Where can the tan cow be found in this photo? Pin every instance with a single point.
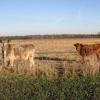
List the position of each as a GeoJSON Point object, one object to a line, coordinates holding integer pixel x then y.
{"type": "Point", "coordinates": [88, 49]}
{"type": "Point", "coordinates": [14, 52]}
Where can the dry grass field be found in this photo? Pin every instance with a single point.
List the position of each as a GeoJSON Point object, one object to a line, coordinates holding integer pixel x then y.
{"type": "Point", "coordinates": [57, 67]}
{"type": "Point", "coordinates": [54, 54]}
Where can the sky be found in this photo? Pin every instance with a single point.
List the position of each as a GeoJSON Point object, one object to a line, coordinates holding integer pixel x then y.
{"type": "Point", "coordinates": [29, 17]}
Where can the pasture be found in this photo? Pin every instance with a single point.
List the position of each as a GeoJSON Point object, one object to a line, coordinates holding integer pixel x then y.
{"type": "Point", "coordinates": [54, 54]}
{"type": "Point", "coordinates": [54, 76]}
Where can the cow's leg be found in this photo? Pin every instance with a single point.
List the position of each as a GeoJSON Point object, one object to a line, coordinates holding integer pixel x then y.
{"type": "Point", "coordinates": [5, 62]}
{"type": "Point", "coordinates": [32, 63]}
{"type": "Point", "coordinates": [86, 60]}
{"type": "Point", "coordinates": [11, 62]}
{"type": "Point", "coordinates": [83, 59]}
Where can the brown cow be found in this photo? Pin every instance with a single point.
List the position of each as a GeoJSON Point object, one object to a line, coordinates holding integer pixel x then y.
{"type": "Point", "coordinates": [85, 49]}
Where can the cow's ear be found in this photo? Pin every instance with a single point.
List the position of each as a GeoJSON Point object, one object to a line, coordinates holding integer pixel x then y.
{"type": "Point", "coordinates": [8, 41]}
{"type": "Point", "coordinates": [75, 45]}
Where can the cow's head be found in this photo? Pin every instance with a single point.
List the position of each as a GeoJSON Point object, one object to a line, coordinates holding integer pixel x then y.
{"type": "Point", "coordinates": [78, 46]}
{"type": "Point", "coordinates": [0, 41]}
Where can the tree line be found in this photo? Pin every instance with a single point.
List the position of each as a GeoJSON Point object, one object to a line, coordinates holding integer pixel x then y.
{"type": "Point", "coordinates": [54, 36]}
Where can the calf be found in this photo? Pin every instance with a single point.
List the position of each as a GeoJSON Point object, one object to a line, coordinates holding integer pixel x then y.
{"type": "Point", "coordinates": [14, 52]}
{"type": "Point", "coordinates": [85, 50]}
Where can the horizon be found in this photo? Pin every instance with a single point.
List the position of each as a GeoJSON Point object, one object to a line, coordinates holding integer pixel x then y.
{"type": "Point", "coordinates": [97, 34]}
{"type": "Point", "coordinates": [28, 17]}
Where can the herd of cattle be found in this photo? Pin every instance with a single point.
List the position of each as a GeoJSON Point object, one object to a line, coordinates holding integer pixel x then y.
{"type": "Point", "coordinates": [12, 52]}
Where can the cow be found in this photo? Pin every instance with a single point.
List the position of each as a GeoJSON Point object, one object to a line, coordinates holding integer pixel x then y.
{"type": "Point", "coordinates": [14, 52]}
{"type": "Point", "coordinates": [88, 49]}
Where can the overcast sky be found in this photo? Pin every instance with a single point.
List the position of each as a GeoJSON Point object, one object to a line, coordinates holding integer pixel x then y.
{"type": "Point", "coordinates": [29, 17]}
